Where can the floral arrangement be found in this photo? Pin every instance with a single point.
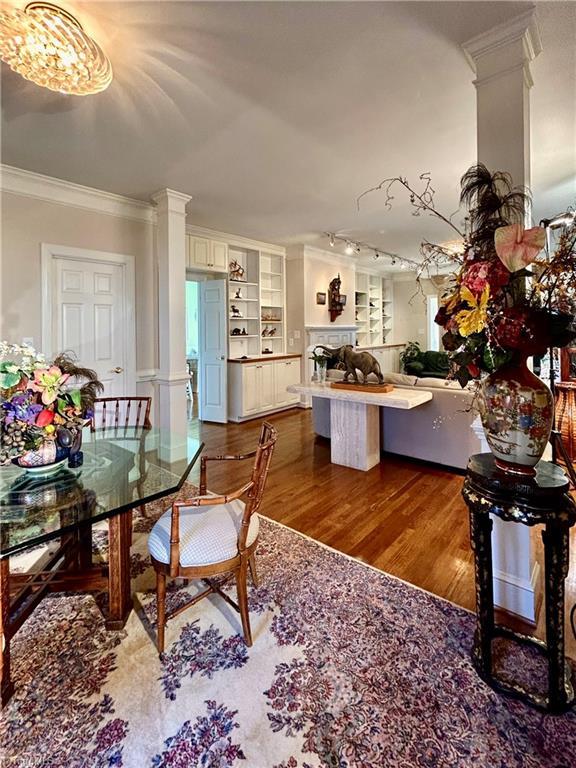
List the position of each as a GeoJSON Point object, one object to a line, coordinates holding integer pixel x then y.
{"type": "Point", "coordinates": [39, 403]}
{"type": "Point", "coordinates": [506, 295]}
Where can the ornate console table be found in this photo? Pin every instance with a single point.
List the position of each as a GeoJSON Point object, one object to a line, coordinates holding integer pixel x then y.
{"type": "Point", "coordinates": [542, 499]}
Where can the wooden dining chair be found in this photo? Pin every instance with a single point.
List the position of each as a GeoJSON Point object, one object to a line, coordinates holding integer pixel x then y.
{"type": "Point", "coordinates": [210, 535]}
{"type": "Point", "coordinates": [121, 413]}
{"type": "Point", "coordinates": [124, 418]}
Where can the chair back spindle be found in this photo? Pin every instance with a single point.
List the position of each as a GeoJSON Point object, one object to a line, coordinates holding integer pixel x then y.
{"type": "Point", "coordinates": [121, 412]}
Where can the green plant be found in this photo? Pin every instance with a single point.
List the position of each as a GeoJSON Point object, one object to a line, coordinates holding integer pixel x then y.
{"type": "Point", "coordinates": [410, 352]}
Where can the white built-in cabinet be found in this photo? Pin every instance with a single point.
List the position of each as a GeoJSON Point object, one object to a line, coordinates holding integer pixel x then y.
{"type": "Point", "coordinates": [259, 387]}
{"type": "Point", "coordinates": [373, 309]}
{"type": "Point", "coordinates": [206, 254]}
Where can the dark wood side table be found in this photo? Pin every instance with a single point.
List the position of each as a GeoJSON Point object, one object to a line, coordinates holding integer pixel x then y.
{"type": "Point", "coordinates": [529, 501]}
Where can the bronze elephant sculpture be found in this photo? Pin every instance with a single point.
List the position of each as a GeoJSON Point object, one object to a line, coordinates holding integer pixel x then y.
{"type": "Point", "coordinates": [355, 361]}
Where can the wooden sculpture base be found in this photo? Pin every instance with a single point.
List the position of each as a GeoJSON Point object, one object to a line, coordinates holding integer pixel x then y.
{"type": "Point", "coordinates": [380, 388]}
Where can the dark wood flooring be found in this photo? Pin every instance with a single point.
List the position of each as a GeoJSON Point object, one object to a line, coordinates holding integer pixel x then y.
{"type": "Point", "coordinates": [404, 517]}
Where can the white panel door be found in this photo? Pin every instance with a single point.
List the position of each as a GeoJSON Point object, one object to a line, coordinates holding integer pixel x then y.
{"type": "Point", "coordinates": [267, 386]}
{"type": "Point", "coordinates": [287, 373]}
{"type": "Point", "coordinates": [89, 318]}
{"type": "Point", "coordinates": [213, 402]}
{"type": "Point", "coordinates": [250, 388]}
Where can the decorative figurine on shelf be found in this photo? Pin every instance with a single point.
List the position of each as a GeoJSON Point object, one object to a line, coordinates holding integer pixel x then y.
{"type": "Point", "coordinates": [238, 294]}
{"type": "Point", "coordinates": [235, 332]}
{"type": "Point", "coordinates": [243, 332]}
{"type": "Point", "coordinates": [266, 351]}
{"type": "Point", "coordinates": [234, 311]}
{"type": "Point", "coordinates": [236, 271]}
{"type": "Point", "coordinates": [335, 305]}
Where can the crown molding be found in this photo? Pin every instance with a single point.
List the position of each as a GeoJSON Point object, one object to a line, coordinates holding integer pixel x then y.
{"type": "Point", "coordinates": [523, 27]}
{"type": "Point", "coordinates": [17, 181]}
{"type": "Point", "coordinates": [237, 241]}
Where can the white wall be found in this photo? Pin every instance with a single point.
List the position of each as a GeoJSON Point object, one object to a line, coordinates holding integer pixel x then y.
{"type": "Point", "coordinates": [319, 270]}
{"type": "Point", "coordinates": [410, 310]}
{"type": "Point", "coordinates": [28, 222]}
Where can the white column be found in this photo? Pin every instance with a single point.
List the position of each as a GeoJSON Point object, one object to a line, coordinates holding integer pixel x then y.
{"type": "Point", "coordinates": [500, 59]}
{"type": "Point", "coordinates": [171, 261]}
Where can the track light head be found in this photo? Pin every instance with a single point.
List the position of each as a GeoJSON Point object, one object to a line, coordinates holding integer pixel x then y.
{"type": "Point", "coordinates": [349, 250]}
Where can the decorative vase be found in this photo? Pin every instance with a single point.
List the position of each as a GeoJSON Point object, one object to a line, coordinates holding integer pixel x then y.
{"type": "Point", "coordinates": [517, 410]}
{"type": "Point", "coordinates": [43, 456]}
{"type": "Point", "coordinates": [321, 371]}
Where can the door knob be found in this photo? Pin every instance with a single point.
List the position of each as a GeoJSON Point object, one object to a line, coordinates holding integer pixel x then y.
{"type": "Point", "coordinates": [222, 357]}
{"type": "Point", "coordinates": [118, 369]}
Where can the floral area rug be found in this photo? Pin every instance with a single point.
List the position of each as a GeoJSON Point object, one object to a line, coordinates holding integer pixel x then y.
{"type": "Point", "coordinates": [350, 668]}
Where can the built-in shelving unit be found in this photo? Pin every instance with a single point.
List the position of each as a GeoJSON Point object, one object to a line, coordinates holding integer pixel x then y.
{"type": "Point", "coordinates": [373, 309]}
{"type": "Point", "coordinates": [256, 304]}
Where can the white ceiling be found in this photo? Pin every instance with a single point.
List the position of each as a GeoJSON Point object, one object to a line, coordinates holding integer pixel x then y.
{"type": "Point", "coordinates": [275, 116]}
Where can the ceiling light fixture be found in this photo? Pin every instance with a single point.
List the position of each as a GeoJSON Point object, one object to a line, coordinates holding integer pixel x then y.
{"type": "Point", "coordinates": [47, 45]}
{"type": "Point", "coordinates": [332, 240]}
{"type": "Point", "coordinates": [349, 250]}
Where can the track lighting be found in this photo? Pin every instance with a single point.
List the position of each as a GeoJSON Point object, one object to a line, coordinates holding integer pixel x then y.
{"type": "Point", "coordinates": [355, 247]}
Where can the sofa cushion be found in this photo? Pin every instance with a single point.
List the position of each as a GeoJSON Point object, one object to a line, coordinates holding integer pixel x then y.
{"type": "Point", "coordinates": [401, 379]}
{"type": "Point", "coordinates": [434, 383]}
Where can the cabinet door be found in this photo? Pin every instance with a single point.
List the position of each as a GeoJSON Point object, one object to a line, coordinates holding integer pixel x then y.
{"type": "Point", "coordinates": [287, 373]}
{"type": "Point", "coordinates": [267, 386]}
{"type": "Point", "coordinates": [250, 388]}
{"type": "Point", "coordinates": [199, 252]}
{"type": "Point", "coordinates": [219, 256]}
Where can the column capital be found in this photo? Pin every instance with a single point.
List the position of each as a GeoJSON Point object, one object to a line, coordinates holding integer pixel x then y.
{"type": "Point", "coordinates": [507, 46]}
{"type": "Point", "coordinates": [172, 200]}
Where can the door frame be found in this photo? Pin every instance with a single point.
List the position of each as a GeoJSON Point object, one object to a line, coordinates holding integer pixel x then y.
{"type": "Point", "coordinates": [49, 254]}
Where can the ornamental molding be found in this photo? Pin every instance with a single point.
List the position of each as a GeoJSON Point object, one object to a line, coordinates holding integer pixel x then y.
{"type": "Point", "coordinates": [17, 181]}
{"type": "Point", "coordinates": [236, 241]}
{"type": "Point", "coordinates": [523, 28]}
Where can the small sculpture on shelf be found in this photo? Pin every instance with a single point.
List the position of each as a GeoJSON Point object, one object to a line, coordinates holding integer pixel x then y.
{"type": "Point", "coordinates": [234, 311]}
{"type": "Point", "coordinates": [236, 271]}
{"type": "Point", "coordinates": [268, 331]}
{"type": "Point", "coordinates": [238, 332]}
{"type": "Point", "coordinates": [267, 351]}
{"type": "Point", "coordinates": [353, 362]}
{"type": "Point", "coordinates": [238, 294]}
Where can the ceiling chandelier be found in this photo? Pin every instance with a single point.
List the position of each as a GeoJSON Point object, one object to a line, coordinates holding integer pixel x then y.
{"type": "Point", "coordinates": [47, 45]}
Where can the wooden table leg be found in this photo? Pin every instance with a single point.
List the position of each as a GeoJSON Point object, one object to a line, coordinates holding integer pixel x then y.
{"type": "Point", "coordinates": [354, 434]}
{"type": "Point", "coordinates": [7, 686]}
{"type": "Point", "coordinates": [119, 591]}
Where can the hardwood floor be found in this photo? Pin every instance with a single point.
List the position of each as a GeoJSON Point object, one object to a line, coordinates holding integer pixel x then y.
{"type": "Point", "coordinates": [403, 517]}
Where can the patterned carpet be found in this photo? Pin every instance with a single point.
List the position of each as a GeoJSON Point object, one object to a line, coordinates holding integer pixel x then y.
{"type": "Point", "coordinates": [350, 668]}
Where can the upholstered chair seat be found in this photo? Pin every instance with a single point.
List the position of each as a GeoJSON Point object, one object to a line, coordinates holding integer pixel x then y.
{"type": "Point", "coordinates": [208, 535]}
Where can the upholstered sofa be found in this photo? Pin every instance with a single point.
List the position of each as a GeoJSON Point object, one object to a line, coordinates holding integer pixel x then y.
{"type": "Point", "coordinates": [428, 365]}
{"type": "Point", "coordinates": [438, 431]}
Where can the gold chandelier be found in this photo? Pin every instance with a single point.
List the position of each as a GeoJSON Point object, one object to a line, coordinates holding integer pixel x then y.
{"type": "Point", "coordinates": [47, 45]}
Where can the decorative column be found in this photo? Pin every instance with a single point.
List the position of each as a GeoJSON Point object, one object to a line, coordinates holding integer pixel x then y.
{"type": "Point", "coordinates": [500, 59]}
{"type": "Point", "coordinates": [171, 261]}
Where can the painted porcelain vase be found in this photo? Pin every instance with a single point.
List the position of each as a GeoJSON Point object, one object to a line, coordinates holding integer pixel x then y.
{"type": "Point", "coordinates": [39, 457]}
{"type": "Point", "coordinates": [517, 410]}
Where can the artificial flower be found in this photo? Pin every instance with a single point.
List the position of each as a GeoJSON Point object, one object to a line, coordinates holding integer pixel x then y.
{"type": "Point", "coordinates": [473, 319]}
{"type": "Point", "coordinates": [480, 273]}
{"type": "Point", "coordinates": [517, 247]}
{"type": "Point", "coordinates": [48, 381]}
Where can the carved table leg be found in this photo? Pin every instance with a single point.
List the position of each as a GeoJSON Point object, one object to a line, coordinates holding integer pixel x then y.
{"type": "Point", "coordinates": [119, 590]}
{"type": "Point", "coordinates": [481, 541]}
{"type": "Point", "coordinates": [7, 686]}
{"type": "Point", "coordinates": [556, 563]}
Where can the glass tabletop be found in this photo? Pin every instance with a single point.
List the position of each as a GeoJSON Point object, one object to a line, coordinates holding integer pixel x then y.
{"type": "Point", "coordinates": [122, 469]}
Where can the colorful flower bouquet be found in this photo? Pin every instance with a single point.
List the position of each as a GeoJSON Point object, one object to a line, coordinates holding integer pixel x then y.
{"type": "Point", "coordinates": [507, 300]}
{"type": "Point", "coordinates": [44, 406]}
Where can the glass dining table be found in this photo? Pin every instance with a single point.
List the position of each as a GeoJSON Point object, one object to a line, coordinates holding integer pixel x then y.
{"type": "Point", "coordinates": [122, 469]}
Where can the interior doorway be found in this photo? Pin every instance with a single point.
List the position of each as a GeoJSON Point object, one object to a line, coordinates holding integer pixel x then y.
{"type": "Point", "coordinates": [192, 347]}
